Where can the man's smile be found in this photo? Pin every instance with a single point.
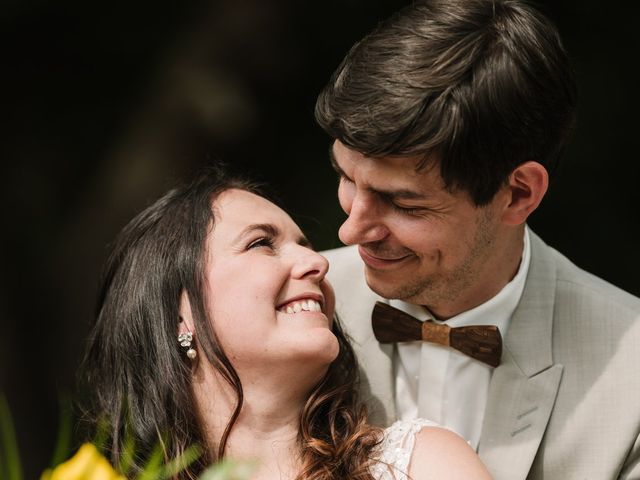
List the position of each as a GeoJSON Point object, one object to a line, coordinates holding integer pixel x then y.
{"type": "Point", "coordinates": [381, 260]}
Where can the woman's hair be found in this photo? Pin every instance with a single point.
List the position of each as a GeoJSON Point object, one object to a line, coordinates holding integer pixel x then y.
{"type": "Point", "coordinates": [138, 383]}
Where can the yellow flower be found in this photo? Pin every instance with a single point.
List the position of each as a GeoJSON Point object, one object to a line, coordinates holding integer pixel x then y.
{"type": "Point", "coordinates": [86, 464]}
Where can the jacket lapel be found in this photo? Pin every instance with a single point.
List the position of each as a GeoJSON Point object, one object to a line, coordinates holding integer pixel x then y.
{"type": "Point", "coordinates": [523, 388]}
{"type": "Point", "coordinates": [376, 387]}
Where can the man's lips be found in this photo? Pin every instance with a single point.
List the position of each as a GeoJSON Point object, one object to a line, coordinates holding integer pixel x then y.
{"type": "Point", "coordinates": [381, 262]}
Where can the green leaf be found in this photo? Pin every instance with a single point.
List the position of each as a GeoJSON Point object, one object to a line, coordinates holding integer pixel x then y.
{"type": "Point", "coordinates": [178, 464]}
{"type": "Point", "coordinates": [153, 467]}
{"type": "Point", "coordinates": [9, 442]}
{"type": "Point", "coordinates": [3, 470]}
{"type": "Point", "coordinates": [103, 430]}
{"type": "Point", "coordinates": [128, 454]}
{"type": "Point", "coordinates": [63, 442]}
{"type": "Point", "coordinates": [229, 470]}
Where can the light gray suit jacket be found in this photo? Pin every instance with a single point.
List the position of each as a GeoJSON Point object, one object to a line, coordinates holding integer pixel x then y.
{"type": "Point", "coordinates": [565, 401]}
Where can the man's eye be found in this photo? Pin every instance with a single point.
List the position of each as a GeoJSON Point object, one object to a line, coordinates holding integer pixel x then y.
{"type": "Point", "coordinates": [407, 210]}
{"type": "Point", "coordinates": [343, 179]}
{"type": "Point", "coordinates": [261, 242]}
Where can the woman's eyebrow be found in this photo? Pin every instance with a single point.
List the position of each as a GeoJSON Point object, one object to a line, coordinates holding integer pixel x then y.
{"type": "Point", "coordinates": [304, 242]}
{"type": "Point", "coordinates": [270, 230]}
{"type": "Point", "coordinates": [267, 228]}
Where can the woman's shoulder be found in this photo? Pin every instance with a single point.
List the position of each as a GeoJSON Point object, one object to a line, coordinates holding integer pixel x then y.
{"type": "Point", "coordinates": [441, 453]}
{"type": "Point", "coordinates": [425, 450]}
{"type": "Point", "coordinates": [396, 448]}
{"type": "Point", "coordinates": [402, 433]}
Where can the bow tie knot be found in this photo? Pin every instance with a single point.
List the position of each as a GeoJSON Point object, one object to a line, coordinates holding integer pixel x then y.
{"type": "Point", "coordinates": [481, 342]}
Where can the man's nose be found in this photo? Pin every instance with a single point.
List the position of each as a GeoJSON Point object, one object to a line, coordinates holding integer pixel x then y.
{"type": "Point", "coordinates": [364, 223]}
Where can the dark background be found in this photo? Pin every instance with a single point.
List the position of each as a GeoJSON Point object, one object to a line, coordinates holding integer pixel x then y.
{"type": "Point", "coordinates": [105, 104]}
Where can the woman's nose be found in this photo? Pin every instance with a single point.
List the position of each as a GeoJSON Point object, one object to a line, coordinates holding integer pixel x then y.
{"type": "Point", "coordinates": [310, 264]}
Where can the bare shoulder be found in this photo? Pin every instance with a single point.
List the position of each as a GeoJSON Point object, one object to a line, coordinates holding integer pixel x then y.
{"type": "Point", "coordinates": [440, 453]}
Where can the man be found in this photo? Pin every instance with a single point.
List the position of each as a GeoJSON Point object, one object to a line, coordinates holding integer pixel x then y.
{"type": "Point", "coordinates": [448, 120]}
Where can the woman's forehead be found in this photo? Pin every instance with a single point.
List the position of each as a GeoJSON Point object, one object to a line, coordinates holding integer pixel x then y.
{"type": "Point", "coordinates": [234, 209]}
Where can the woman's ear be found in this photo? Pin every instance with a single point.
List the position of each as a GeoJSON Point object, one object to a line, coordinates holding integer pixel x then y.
{"type": "Point", "coordinates": [185, 322]}
{"type": "Point", "coordinates": [526, 187]}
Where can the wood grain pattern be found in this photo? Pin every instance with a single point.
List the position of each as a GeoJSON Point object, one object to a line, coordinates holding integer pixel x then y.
{"type": "Point", "coordinates": [481, 342]}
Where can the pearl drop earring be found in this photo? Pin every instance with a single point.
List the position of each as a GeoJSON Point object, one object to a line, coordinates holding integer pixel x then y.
{"type": "Point", "coordinates": [185, 340]}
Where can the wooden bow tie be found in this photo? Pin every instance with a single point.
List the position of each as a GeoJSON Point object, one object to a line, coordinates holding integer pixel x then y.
{"type": "Point", "coordinates": [482, 342]}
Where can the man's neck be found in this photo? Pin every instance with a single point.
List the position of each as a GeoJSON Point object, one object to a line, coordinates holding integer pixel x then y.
{"type": "Point", "coordinates": [496, 272]}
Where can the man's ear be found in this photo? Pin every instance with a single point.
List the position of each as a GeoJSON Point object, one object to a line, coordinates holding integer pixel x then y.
{"type": "Point", "coordinates": [185, 322]}
{"type": "Point", "coordinates": [526, 186]}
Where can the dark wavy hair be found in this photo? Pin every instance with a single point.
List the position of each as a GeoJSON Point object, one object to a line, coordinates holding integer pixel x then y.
{"type": "Point", "coordinates": [137, 382]}
{"type": "Point", "coordinates": [476, 86]}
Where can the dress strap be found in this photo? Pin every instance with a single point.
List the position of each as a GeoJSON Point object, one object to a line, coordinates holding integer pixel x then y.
{"type": "Point", "coordinates": [396, 449]}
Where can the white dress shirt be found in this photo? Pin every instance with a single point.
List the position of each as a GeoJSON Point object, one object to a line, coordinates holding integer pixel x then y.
{"type": "Point", "coordinates": [442, 384]}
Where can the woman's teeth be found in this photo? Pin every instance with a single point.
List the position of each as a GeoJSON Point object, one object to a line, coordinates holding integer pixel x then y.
{"type": "Point", "coordinates": [301, 306]}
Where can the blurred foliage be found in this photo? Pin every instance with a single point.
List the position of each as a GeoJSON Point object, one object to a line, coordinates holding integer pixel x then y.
{"type": "Point", "coordinates": [89, 464]}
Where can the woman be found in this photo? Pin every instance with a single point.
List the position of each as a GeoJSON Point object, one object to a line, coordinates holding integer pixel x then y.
{"type": "Point", "coordinates": [261, 370]}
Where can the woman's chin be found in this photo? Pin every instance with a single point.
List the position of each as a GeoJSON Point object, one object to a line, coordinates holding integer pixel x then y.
{"type": "Point", "coordinates": [320, 347]}
{"type": "Point", "coordinates": [311, 358]}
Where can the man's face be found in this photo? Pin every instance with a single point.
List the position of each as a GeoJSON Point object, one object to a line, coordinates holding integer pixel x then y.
{"type": "Point", "coordinates": [419, 242]}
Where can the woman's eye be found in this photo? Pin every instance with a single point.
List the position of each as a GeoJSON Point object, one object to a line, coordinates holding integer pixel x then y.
{"type": "Point", "coordinates": [261, 242]}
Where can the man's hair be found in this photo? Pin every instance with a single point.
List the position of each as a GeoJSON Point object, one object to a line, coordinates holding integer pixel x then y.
{"type": "Point", "coordinates": [478, 86]}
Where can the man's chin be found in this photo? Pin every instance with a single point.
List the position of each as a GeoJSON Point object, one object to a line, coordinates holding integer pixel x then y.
{"type": "Point", "coordinates": [387, 286]}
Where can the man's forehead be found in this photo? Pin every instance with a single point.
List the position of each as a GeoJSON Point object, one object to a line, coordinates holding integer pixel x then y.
{"type": "Point", "coordinates": [399, 174]}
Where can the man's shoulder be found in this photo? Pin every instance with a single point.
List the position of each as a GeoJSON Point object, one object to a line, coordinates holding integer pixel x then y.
{"type": "Point", "coordinates": [594, 337]}
{"type": "Point", "coordinates": [572, 282]}
{"type": "Point", "coordinates": [573, 277]}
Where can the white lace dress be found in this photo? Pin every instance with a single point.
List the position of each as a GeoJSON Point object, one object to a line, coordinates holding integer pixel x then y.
{"type": "Point", "coordinates": [396, 449]}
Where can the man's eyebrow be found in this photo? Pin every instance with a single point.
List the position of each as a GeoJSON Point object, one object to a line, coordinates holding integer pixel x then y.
{"type": "Point", "coordinates": [334, 162]}
{"type": "Point", "coordinates": [401, 194]}
{"type": "Point", "coordinates": [387, 194]}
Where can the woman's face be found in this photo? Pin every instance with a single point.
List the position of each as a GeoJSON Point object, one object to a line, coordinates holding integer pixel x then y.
{"type": "Point", "coordinates": [268, 299]}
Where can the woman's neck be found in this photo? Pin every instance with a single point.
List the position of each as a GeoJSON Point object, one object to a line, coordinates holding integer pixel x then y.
{"type": "Point", "coordinates": [266, 430]}
{"type": "Point", "coordinates": [269, 440]}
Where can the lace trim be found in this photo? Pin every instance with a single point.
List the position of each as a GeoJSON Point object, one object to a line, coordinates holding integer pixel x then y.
{"type": "Point", "coordinates": [396, 449]}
